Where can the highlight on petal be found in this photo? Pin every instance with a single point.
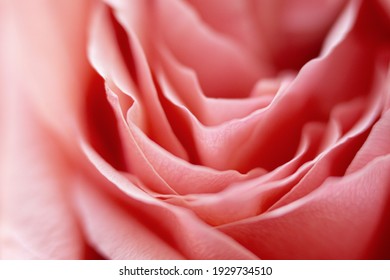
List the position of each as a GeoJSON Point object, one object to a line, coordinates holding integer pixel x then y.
{"type": "Point", "coordinates": [341, 28]}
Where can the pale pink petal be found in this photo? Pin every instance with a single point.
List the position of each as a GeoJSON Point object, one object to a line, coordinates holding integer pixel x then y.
{"type": "Point", "coordinates": [264, 144]}
{"type": "Point", "coordinates": [303, 134]}
{"type": "Point", "coordinates": [346, 130]}
{"type": "Point", "coordinates": [334, 160]}
{"type": "Point", "coordinates": [188, 234]}
{"type": "Point", "coordinates": [245, 199]}
{"type": "Point", "coordinates": [116, 232]}
{"type": "Point", "coordinates": [164, 172]}
{"type": "Point", "coordinates": [223, 68]}
{"type": "Point", "coordinates": [264, 131]}
{"type": "Point", "coordinates": [50, 55]}
{"type": "Point", "coordinates": [186, 91]}
{"type": "Point", "coordinates": [36, 216]}
{"type": "Point", "coordinates": [337, 221]}
{"type": "Point", "coordinates": [255, 196]}
{"type": "Point", "coordinates": [104, 55]}
{"type": "Point", "coordinates": [37, 220]}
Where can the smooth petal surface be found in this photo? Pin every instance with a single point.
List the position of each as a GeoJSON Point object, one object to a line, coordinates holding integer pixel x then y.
{"type": "Point", "coordinates": [281, 33]}
{"type": "Point", "coordinates": [194, 129]}
{"type": "Point", "coordinates": [164, 172]}
{"type": "Point", "coordinates": [50, 55]}
{"type": "Point", "coordinates": [338, 220]}
{"type": "Point", "coordinates": [37, 218]}
{"type": "Point", "coordinates": [183, 230]}
{"type": "Point", "coordinates": [105, 56]}
{"type": "Point", "coordinates": [223, 68]}
{"type": "Point", "coordinates": [180, 85]}
{"type": "Point", "coordinates": [115, 232]}
{"type": "Point", "coordinates": [376, 145]}
{"type": "Point", "coordinates": [42, 73]}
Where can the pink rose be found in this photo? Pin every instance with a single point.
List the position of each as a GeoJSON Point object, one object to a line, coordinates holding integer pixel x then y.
{"type": "Point", "coordinates": [195, 129]}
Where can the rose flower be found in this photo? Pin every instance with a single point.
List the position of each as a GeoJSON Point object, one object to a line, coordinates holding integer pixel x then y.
{"type": "Point", "coordinates": [151, 129]}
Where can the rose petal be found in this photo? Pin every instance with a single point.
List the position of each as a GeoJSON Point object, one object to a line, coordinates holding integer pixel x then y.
{"type": "Point", "coordinates": [265, 130]}
{"type": "Point", "coordinates": [162, 171]}
{"type": "Point", "coordinates": [257, 195]}
{"type": "Point", "coordinates": [294, 30]}
{"type": "Point", "coordinates": [223, 68]}
{"type": "Point", "coordinates": [376, 145]}
{"type": "Point", "coordinates": [37, 219]}
{"type": "Point", "coordinates": [185, 91]}
{"type": "Point", "coordinates": [104, 55]}
{"type": "Point", "coordinates": [245, 199]}
{"type": "Point", "coordinates": [334, 160]}
{"type": "Point", "coordinates": [339, 219]}
{"type": "Point", "coordinates": [287, 33]}
{"type": "Point", "coordinates": [347, 127]}
{"type": "Point", "coordinates": [341, 28]}
{"type": "Point", "coordinates": [236, 20]}
{"type": "Point", "coordinates": [192, 238]}
{"type": "Point", "coordinates": [114, 231]}
{"type": "Point", "coordinates": [50, 43]}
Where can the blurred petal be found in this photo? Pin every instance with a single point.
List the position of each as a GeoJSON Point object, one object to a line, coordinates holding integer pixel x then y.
{"type": "Point", "coordinates": [37, 220]}
{"type": "Point", "coordinates": [224, 69]}
{"type": "Point", "coordinates": [185, 90]}
{"type": "Point", "coordinates": [281, 33]}
{"type": "Point", "coordinates": [50, 55]}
